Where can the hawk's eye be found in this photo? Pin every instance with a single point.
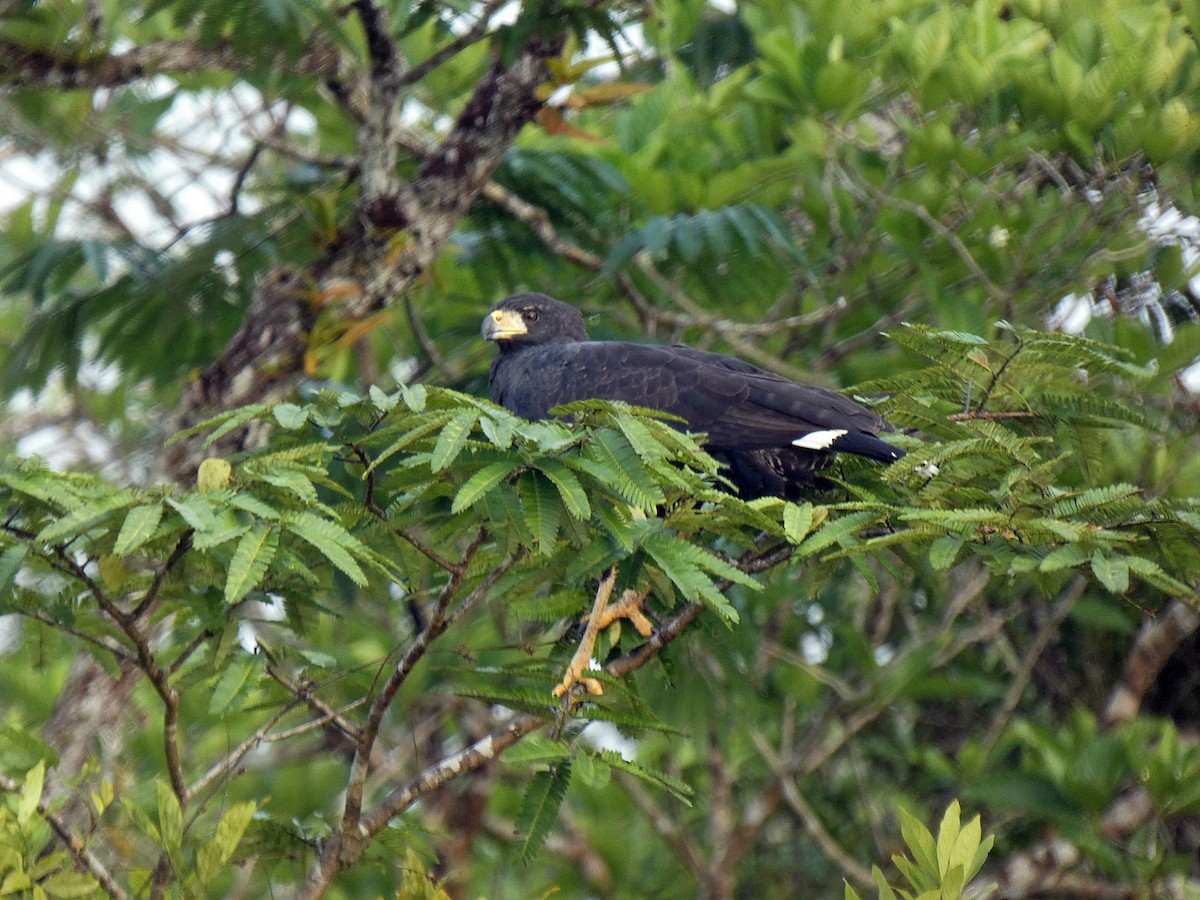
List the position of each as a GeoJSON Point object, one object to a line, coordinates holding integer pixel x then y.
{"type": "Point", "coordinates": [529, 315]}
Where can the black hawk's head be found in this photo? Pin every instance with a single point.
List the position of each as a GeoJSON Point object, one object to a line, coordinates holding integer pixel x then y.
{"type": "Point", "coordinates": [527, 318]}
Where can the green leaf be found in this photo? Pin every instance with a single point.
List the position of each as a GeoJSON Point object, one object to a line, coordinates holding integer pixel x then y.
{"type": "Point", "coordinates": [661, 780]}
{"type": "Point", "coordinates": [222, 424]}
{"type": "Point", "coordinates": [82, 520]}
{"type": "Point", "coordinates": [69, 884]}
{"type": "Point", "coordinates": [225, 527]}
{"type": "Point", "coordinates": [290, 416]}
{"type": "Point", "coordinates": [542, 510]}
{"type": "Point", "coordinates": [981, 855]}
{"type": "Point", "coordinates": [170, 818]}
{"type": "Point", "coordinates": [452, 439]}
{"type": "Point", "coordinates": [947, 839]}
{"type": "Point", "coordinates": [139, 526]}
{"type": "Point", "coordinates": [536, 749]}
{"type": "Point", "coordinates": [797, 521]}
{"type": "Point", "coordinates": [943, 551]}
{"type": "Point", "coordinates": [885, 889]}
{"type": "Point", "coordinates": [1112, 572]}
{"type": "Point", "coordinates": [383, 401]}
{"type": "Point", "coordinates": [539, 808]}
{"type": "Point", "coordinates": [920, 842]}
{"type": "Point", "coordinates": [331, 539]}
{"type": "Point", "coordinates": [113, 572]}
{"type": "Point", "coordinates": [1153, 573]}
{"type": "Point", "coordinates": [480, 483]}
{"type": "Point", "coordinates": [10, 564]}
{"type": "Point", "coordinates": [688, 566]}
{"type": "Point", "coordinates": [229, 693]}
{"type": "Point", "coordinates": [640, 438]}
{"type": "Point", "coordinates": [213, 856]}
{"type": "Point", "coordinates": [15, 881]}
{"type": "Point", "coordinates": [415, 396]}
{"type": "Point", "coordinates": [498, 429]}
{"type": "Point", "coordinates": [618, 467]}
{"type": "Point", "coordinates": [573, 496]}
{"type": "Point", "coordinates": [551, 608]}
{"type": "Point", "coordinates": [250, 561]}
{"type": "Point", "coordinates": [31, 793]}
{"type": "Point", "coordinates": [195, 510]}
{"type": "Point", "coordinates": [255, 506]}
{"type": "Point", "coordinates": [842, 530]}
{"type": "Point", "coordinates": [1065, 557]}
{"type": "Point", "coordinates": [291, 481]}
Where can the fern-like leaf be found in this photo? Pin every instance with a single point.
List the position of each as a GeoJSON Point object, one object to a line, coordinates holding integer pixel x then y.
{"type": "Point", "coordinates": [250, 561]}
{"type": "Point", "coordinates": [331, 539]}
{"type": "Point", "coordinates": [452, 439]}
{"type": "Point", "coordinates": [84, 519]}
{"type": "Point", "coordinates": [543, 510]}
{"type": "Point", "coordinates": [140, 524]}
{"type": "Point", "coordinates": [480, 483]}
{"type": "Point", "coordinates": [658, 779]}
{"type": "Point", "coordinates": [539, 808]}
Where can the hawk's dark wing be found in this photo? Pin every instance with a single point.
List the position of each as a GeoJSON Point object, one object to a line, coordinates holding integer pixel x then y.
{"type": "Point", "coordinates": [771, 433]}
{"type": "Point", "coordinates": [739, 406]}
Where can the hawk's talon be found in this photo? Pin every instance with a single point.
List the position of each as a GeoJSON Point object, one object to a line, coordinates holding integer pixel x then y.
{"type": "Point", "coordinates": [582, 660]}
{"type": "Point", "coordinates": [628, 607]}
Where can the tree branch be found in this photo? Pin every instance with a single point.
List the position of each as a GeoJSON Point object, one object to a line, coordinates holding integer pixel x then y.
{"type": "Point", "coordinates": [472, 35]}
{"type": "Point", "coordinates": [1062, 608]}
{"type": "Point", "coordinates": [327, 713]}
{"type": "Point", "coordinates": [437, 625]}
{"type": "Point", "coordinates": [1155, 642]}
{"type": "Point", "coordinates": [834, 852]}
{"type": "Point", "coordinates": [399, 230]}
{"type": "Point", "coordinates": [21, 67]}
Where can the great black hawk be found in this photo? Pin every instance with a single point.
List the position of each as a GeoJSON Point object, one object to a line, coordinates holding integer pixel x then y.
{"type": "Point", "coordinates": [773, 435]}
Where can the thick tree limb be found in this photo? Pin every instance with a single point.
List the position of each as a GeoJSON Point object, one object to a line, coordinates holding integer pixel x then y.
{"type": "Point", "coordinates": [400, 228]}
{"type": "Point", "coordinates": [1156, 641]}
{"type": "Point", "coordinates": [21, 67]}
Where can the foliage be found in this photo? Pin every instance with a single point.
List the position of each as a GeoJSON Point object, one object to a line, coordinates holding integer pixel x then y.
{"type": "Point", "coordinates": [25, 864]}
{"type": "Point", "coordinates": [338, 638]}
{"type": "Point", "coordinates": [939, 869]}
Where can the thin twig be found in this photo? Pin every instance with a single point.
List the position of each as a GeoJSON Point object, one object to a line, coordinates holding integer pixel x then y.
{"type": "Point", "coordinates": [428, 552]}
{"type": "Point", "coordinates": [161, 681]}
{"type": "Point", "coordinates": [181, 547]}
{"type": "Point", "coordinates": [834, 852]}
{"type": "Point", "coordinates": [305, 694]}
{"type": "Point", "coordinates": [369, 498]}
{"type": "Point", "coordinates": [119, 652]}
{"type": "Point", "coordinates": [349, 841]}
{"type": "Point", "coordinates": [1062, 608]}
{"type": "Point", "coordinates": [360, 767]}
{"type": "Point", "coordinates": [235, 756]}
{"type": "Point", "coordinates": [333, 718]}
{"type": "Point", "coordinates": [472, 35]}
{"type": "Point", "coordinates": [664, 824]}
{"type": "Point", "coordinates": [1156, 642]}
{"type": "Point", "coordinates": [187, 652]}
{"type": "Point", "coordinates": [976, 415]}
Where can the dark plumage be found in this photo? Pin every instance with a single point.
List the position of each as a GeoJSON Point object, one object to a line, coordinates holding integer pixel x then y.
{"type": "Point", "coordinates": [771, 433]}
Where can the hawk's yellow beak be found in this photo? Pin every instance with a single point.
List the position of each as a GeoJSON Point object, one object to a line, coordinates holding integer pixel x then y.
{"type": "Point", "coordinates": [501, 324]}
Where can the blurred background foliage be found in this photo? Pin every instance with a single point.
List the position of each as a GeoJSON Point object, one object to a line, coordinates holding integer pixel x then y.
{"type": "Point", "coordinates": [981, 213]}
